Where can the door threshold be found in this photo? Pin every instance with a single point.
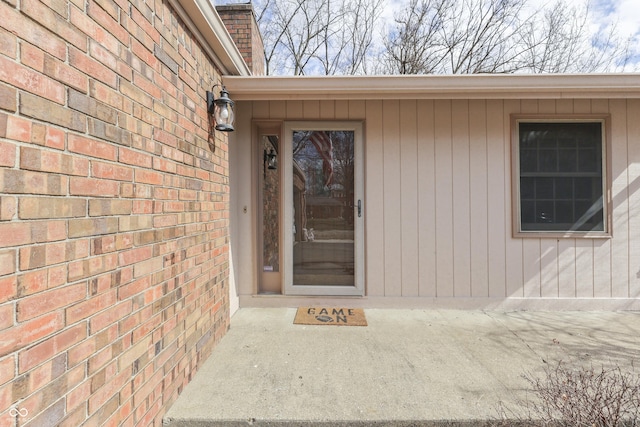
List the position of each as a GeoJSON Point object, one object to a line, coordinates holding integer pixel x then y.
{"type": "Point", "coordinates": [284, 301]}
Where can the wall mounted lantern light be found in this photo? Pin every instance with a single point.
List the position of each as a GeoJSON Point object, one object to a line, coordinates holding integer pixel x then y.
{"type": "Point", "coordinates": [270, 161]}
{"type": "Point", "coordinates": [221, 109]}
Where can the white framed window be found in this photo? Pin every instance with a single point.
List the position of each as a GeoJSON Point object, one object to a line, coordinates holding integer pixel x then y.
{"type": "Point", "coordinates": [560, 176]}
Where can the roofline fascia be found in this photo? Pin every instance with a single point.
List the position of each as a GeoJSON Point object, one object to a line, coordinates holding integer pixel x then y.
{"type": "Point", "coordinates": [476, 86]}
{"type": "Point", "coordinates": [204, 22]}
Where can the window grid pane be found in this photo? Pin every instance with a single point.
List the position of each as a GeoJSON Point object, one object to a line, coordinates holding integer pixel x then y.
{"type": "Point", "coordinates": [561, 176]}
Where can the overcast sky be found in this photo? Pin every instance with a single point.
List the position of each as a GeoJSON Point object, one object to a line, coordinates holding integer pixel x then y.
{"type": "Point", "coordinates": [626, 13]}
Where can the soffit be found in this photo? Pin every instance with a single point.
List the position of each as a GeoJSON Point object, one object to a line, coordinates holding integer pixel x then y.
{"type": "Point", "coordinates": [476, 86]}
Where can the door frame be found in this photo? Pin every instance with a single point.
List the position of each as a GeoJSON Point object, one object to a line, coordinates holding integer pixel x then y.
{"type": "Point", "coordinates": [287, 207]}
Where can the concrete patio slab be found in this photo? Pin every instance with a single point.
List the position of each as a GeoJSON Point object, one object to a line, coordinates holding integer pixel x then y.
{"type": "Point", "coordinates": [408, 367]}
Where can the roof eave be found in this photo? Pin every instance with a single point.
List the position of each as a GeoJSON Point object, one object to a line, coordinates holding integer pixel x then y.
{"type": "Point", "coordinates": [478, 86]}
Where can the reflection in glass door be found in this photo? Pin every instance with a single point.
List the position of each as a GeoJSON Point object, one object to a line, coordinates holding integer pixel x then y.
{"type": "Point", "coordinates": [324, 217]}
{"type": "Point", "coordinates": [270, 281]}
{"type": "Point", "coordinates": [270, 205]}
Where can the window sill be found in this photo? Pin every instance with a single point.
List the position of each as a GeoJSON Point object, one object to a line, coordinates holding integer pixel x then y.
{"type": "Point", "coordinates": [563, 235]}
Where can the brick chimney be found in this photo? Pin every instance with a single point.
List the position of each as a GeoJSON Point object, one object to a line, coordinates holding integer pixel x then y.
{"type": "Point", "coordinates": [241, 23]}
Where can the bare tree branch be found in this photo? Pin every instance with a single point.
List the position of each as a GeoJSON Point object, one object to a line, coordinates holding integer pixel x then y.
{"type": "Point", "coordinates": [318, 36]}
{"type": "Point", "coordinates": [437, 37]}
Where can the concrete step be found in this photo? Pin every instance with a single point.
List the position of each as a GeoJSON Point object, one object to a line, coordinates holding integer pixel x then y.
{"type": "Point", "coordinates": [367, 423]}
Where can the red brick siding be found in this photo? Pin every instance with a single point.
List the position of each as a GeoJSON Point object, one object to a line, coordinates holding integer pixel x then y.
{"type": "Point", "coordinates": [113, 212]}
{"type": "Point", "coordinates": [241, 24]}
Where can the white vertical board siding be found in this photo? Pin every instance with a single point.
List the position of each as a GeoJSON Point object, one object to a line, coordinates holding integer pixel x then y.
{"type": "Point", "coordinates": [327, 110]}
{"type": "Point", "coordinates": [426, 196]}
{"type": "Point", "coordinates": [582, 106]}
{"type": "Point", "coordinates": [374, 201]}
{"type": "Point", "coordinates": [355, 110]}
{"type": "Point", "coordinates": [564, 106]}
{"type": "Point", "coordinates": [633, 132]}
{"type": "Point", "coordinates": [549, 268]}
{"type": "Point", "coordinates": [392, 202]}
{"type": "Point", "coordinates": [260, 110]}
{"type": "Point", "coordinates": [585, 277]}
{"type": "Point", "coordinates": [602, 268]}
{"type": "Point", "coordinates": [620, 193]}
{"type": "Point", "coordinates": [438, 200]}
{"type": "Point", "coordinates": [567, 268]}
{"type": "Point", "coordinates": [478, 199]}
{"type": "Point", "coordinates": [444, 199]}
{"type": "Point", "coordinates": [311, 110]}
{"type": "Point", "coordinates": [276, 109]}
{"type": "Point", "coordinates": [295, 110]}
{"type": "Point", "coordinates": [531, 263]}
{"type": "Point", "coordinates": [341, 109]}
{"type": "Point", "coordinates": [461, 199]}
{"type": "Point", "coordinates": [498, 190]}
{"type": "Point", "coordinates": [409, 198]}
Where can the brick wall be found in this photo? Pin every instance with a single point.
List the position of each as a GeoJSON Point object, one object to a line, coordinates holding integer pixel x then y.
{"type": "Point", "coordinates": [113, 212]}
{"type": "Point", "coordinates": [240, 21]}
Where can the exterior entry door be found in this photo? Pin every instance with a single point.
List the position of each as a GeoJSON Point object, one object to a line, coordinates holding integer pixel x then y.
{"type": "Point", "coordinates": [323, 208]}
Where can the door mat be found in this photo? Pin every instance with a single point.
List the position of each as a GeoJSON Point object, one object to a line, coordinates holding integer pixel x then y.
{"type": "Point", "coordinates": [330, 316]}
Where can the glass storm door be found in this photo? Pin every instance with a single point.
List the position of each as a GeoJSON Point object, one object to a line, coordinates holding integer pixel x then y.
{"type": "Point", "coordinates": [323, 209]}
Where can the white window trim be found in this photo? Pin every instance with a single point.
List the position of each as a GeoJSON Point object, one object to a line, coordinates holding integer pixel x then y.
{"type": "Point", "coordinates": [605, 119]}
